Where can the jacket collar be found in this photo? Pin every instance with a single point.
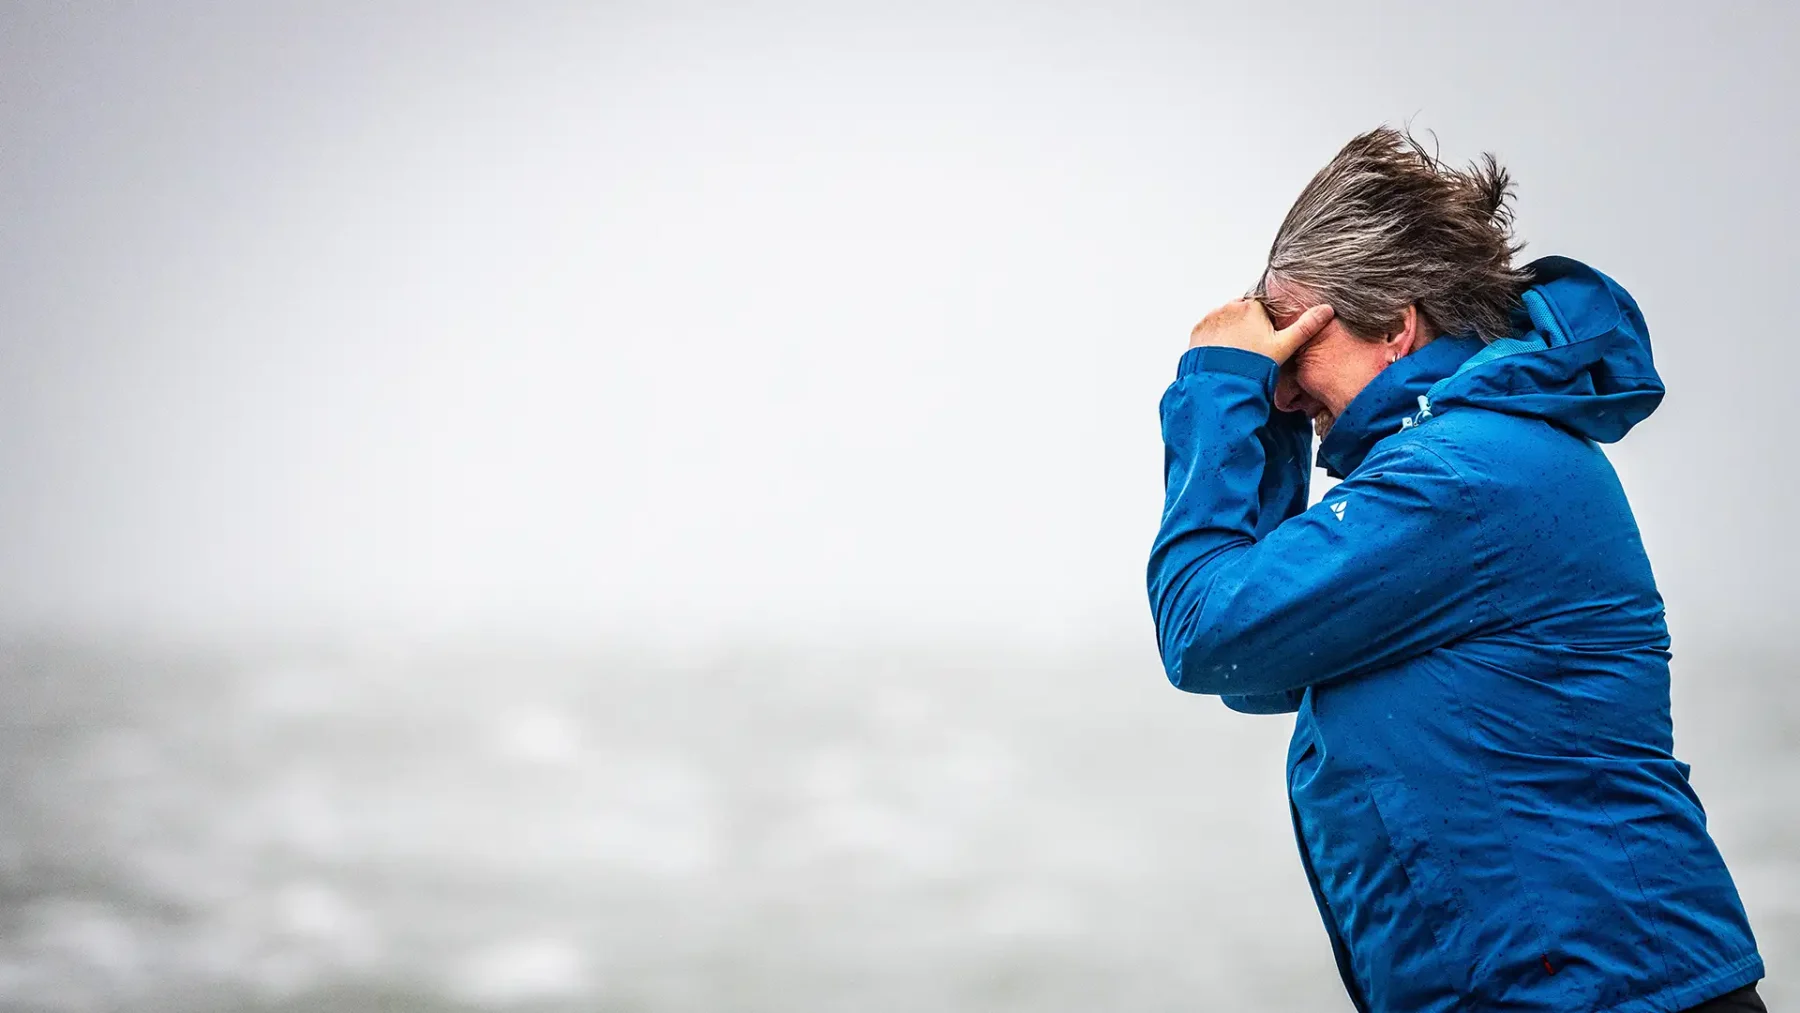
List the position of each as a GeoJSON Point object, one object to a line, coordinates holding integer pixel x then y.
{"type": "Point", "coordinates": [1391, 397]}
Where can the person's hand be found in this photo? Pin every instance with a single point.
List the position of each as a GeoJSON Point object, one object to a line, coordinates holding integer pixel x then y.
{"type": "Point", "coordinates": [1242, 323]}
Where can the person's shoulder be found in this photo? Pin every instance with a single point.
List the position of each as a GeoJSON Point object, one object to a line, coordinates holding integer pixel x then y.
{"type": "Point", "coordinates": [1409, 458]}
{"type": "Point", "coordinates": [1495, 451]}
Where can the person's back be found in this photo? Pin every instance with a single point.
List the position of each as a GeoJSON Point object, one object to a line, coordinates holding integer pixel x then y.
{"type": "Point", "coordinates": [1517, 763]}
{"type": "Point", "coordinates": [1482, 770]}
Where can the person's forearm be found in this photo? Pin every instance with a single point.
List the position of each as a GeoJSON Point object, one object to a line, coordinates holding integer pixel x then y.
{"type": "Point", "coordinates": [1287, 469]}
{"type": "Point", "coordinates": [1217, 445]}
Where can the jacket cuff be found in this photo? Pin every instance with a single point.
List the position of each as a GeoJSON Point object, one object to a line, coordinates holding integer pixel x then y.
{"type": "Point", "coordinates": [1225, 359]}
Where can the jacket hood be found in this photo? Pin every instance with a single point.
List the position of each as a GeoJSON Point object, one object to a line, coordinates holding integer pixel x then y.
{"type": "Point", "coordinates": [1578, 356]}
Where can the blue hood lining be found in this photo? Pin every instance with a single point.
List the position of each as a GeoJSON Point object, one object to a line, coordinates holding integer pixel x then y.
{"type": "Point", "coordinates": [1547, 333]}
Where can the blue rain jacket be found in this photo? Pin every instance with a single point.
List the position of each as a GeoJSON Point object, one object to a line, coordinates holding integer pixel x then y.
{"type": "Point", "coordinates": [1482, 779]}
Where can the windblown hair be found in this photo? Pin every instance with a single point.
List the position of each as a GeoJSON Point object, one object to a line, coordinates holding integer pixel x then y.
{"type": "Point", "coordinates": [1386, 224]}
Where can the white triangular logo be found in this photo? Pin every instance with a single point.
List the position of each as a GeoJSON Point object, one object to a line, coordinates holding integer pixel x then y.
{"type": "Point", "coordinates": [1337, 509]}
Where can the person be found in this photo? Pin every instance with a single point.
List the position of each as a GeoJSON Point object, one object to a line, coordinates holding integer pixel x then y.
{"type": "Point", "coordinates": [1481, 775]}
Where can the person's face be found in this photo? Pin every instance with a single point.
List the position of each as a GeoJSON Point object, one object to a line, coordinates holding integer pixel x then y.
{"type": "Point", "coordinates": [1326, 374]}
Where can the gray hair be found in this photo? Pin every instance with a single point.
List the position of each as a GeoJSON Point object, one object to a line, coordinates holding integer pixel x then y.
{"type": "Point", "coordinates": [1386, 225]}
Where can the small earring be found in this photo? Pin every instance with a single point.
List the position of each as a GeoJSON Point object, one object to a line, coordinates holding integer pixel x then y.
{"type": "Point", "coordinates": [1393, 357]}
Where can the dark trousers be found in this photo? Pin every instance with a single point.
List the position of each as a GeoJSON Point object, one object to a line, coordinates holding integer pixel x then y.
{"type": "Point", "coordinates": [1744, 1000]}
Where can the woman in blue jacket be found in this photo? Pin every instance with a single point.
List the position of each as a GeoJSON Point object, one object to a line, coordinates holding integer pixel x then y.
{"type": "Point", "coordinates": [1482, 779]}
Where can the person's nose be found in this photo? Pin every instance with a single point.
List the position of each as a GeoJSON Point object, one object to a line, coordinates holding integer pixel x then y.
{"type": "Point", "coordinates": [1287, 391]}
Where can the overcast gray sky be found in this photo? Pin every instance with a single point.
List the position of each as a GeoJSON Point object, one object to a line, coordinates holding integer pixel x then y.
{"type": "Point", "coordinates": [813, 322]}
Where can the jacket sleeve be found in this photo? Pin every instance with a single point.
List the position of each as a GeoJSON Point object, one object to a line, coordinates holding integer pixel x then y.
{"type": "Point", "coordinates": [1255, 606]}
{"type": "Point", "coordinates": [1286, 442]}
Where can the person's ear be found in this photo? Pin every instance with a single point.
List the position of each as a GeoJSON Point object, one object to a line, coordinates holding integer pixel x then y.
{"type": "Point", "coordinates": [1410, 335]}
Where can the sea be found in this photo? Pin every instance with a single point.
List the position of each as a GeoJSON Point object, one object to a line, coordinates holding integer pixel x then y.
{"type": "Point", "coordinates": [336, 826]}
